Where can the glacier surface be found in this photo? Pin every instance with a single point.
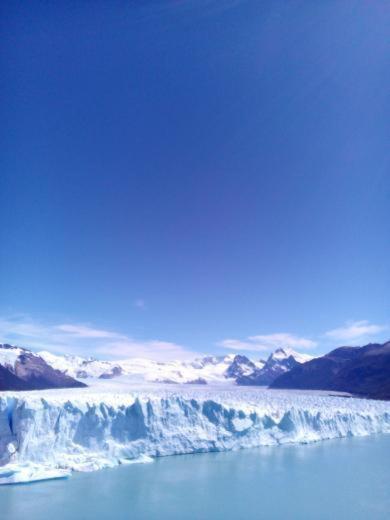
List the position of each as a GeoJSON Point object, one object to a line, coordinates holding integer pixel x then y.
{"type": "Point", "coordinates": [47, 434]}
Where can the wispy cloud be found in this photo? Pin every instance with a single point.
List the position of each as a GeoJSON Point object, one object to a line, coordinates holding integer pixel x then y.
{"type": "Point", "coordinates": [85, 340]}
{"type": "Point", "coordinates": [355, 330]}
{"type": "Point", "coordinates": [83, 331]}
{"type": "Point", "coordinates": [235, 344]}
{"type": "Point", "coordinates": [266, 342]}
{"type": "Point", "coordinates": [153, 349]}
{"type": "Point", "coordinates": [140, 304]}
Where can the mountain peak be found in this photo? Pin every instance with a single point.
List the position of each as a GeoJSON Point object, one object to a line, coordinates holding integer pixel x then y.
{"type": "Point", "coordinates": [22, 369]}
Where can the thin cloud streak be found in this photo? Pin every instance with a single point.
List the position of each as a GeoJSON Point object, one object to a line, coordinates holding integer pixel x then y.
{"type": "Point", "coordinates": [85, 340]}
{"type": "Point", "coordinates": [153, 349]}
{"type": "Point", "coordinates": [266, 342]}
{"type": "Point", "coordinates": [355, 330]}
{"type": "Point", "coordinates": [83, 331]}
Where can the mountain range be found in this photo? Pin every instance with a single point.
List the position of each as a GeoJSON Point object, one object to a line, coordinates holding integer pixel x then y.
{"type": "Point", "coordinates": [232, 368]}
{"type": "Point", "coordinates": [22, 369]}
{"type": "Point", "coordinates": [364, 371]}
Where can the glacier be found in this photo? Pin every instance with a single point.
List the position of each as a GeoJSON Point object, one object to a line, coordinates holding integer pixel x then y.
{"type": "Point", "coordinates": [50, 433]}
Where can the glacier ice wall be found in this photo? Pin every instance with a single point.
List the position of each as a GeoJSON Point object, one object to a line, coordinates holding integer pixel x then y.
{"type": "Point", "coordinates": [84, 431]}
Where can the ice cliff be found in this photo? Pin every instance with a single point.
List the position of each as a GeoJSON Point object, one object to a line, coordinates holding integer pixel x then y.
{"type": "Point", "coordinates": [49, 433]}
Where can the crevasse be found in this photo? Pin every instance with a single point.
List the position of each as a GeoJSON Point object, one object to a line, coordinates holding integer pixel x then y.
{"type": "Point", "coordinates": [47, 435]}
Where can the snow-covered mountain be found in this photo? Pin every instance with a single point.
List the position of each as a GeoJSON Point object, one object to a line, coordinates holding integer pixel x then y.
{"type": "Point", "coordinates": [278, 363]}
{"type": "Point", "coordinates": [81, 368]}
{"type": "Point", "coordinates": [209, 369]}
{"type": "Point", "coordinates": [21, 369]}
{"type": "Point", "coordinates": [229, 369]}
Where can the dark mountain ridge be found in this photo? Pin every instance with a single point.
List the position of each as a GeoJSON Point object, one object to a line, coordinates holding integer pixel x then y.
{"type": "Point", "coordinates": [30, 372]}
{"type": "Point", "coordinates": [363, 371]}
{"type": "Point", "coordinates": [279, 362]}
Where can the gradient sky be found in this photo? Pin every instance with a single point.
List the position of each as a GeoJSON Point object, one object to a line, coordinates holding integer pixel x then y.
{"type": "Point", "coordinates": [180, 176]}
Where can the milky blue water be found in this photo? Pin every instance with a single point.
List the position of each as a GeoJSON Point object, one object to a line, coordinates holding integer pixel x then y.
{"type": "Point", "coordinates": [345, 478]}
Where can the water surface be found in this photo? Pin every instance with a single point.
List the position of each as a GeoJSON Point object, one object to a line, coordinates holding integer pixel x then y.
{"type": "Point", "coordinates": [343, 478]}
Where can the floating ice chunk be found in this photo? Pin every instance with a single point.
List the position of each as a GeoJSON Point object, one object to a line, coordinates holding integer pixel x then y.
{"type": "Point", "coordinates": [23, 473]}
{"type": "Point", "coordinates": [11, 448]}
{"type": "Point", "coordinates": [142, 459]}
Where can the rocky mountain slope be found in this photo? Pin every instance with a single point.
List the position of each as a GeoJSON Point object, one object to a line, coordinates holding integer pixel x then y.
{"type": "Point", "coordinates": [279, 362]}
{"type": "Point", "coordinates": [359, 370]}
{"type": "Point", "coordinates": [21, 369]}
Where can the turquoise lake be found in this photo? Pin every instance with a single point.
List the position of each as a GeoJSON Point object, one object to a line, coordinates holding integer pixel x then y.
{"type": "Point", "coordinates": [343, 478]}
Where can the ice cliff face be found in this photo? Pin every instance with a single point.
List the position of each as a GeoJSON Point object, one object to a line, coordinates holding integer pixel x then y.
{"type": "Point", "coordinates": [47, 433]}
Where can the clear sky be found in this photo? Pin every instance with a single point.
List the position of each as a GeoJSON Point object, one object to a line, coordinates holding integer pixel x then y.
{"type": "Point", "coordinates": [194, 176]}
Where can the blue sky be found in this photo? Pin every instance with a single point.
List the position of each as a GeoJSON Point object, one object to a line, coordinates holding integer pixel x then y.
{"type": "Point", "coordinates": [184, 177]}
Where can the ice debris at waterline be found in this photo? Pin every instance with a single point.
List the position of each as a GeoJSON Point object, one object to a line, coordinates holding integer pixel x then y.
{"type": "Point", "coordinates": [49, 433]}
